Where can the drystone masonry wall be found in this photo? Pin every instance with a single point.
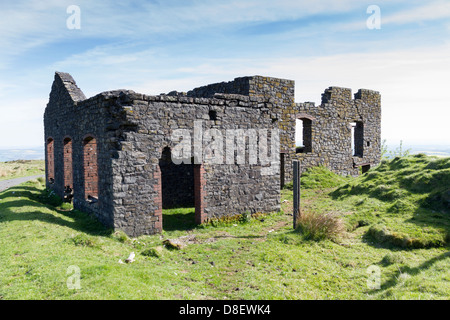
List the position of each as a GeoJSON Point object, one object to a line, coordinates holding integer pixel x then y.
{"type": "Point", "coordinates": [237, 86]}
{"type": "Point", "coordinates": [219, 189]}
{"type": "Point", "coordinates": [327, 132]}
{"type": "Point", "coordinates": [114, 150]}
{"type": "Point", "coordinates": [331, 130]}
{"type": "Point", "coordinates": [71, 118]}
{"type": "Point", "coordinates": [131, 181]}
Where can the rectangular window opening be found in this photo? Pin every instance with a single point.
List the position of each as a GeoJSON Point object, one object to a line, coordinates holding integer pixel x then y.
{"type": "Point", "coordinates": [303, 135]}
{"type": "Point", "coordinates": [357, 138]}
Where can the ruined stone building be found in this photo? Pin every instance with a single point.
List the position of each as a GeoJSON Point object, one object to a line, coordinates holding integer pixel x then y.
{"type": "Point", "coordinates": [114, 149]}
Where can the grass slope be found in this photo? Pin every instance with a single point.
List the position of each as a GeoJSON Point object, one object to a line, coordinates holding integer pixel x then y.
{"type": "Point", "coordinates": [257, 258]}
{"type": "Point", "coordinates": [21, 168]}
{"type": "Point", "coordinates": [406, 201]}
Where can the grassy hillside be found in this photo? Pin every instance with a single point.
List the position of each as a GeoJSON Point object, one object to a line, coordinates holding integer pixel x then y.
{"type": "Point", "coordinates": [261, 257]}
{"type": "Point", "coordinates": [405, 201]}
{"type": "Point", "coordinates": [21, 168]}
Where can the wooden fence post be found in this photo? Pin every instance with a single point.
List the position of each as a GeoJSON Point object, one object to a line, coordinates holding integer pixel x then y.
{"type": "Point", "coordinates": [296, 188]}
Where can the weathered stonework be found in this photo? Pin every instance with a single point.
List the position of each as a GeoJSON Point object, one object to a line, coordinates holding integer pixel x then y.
{"type": "Point", "coordinates": [113, 149]}
{"type": "Point", "coordinates": [331, 138]}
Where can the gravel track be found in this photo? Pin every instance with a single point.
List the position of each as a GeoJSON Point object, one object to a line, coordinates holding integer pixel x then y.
{"type": "Point", "coordinates": [5, 184]}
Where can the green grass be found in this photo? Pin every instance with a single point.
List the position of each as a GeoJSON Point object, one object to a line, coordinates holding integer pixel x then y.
{"type": "Point", "coordinates": [179, 219]}
{"type": "Point", "coordinates": [319, 177]}
{"type": "Point", "coordinates": [21, 168]}
{"type": "Point", "coordinates": [258, 257]}
{"type": "Point", "coordinates": [405, 201]}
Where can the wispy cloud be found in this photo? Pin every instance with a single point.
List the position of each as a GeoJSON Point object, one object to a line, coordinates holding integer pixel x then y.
{"type": "Point", "coordinates": [159, 46]}
{"type": "Point", "coordinates": [26, 25]}
{"type": "Point", "coordinates": [434, 10]}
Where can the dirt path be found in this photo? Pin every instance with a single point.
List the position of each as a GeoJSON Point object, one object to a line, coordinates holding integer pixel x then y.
{"type": "Point", "coordinates": [5, 184]}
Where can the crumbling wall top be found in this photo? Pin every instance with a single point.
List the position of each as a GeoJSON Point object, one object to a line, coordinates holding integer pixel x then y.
{"type": "Point", "coordinates": [71, 86]}
{"type": "Point", "coordinates": [340, 93]}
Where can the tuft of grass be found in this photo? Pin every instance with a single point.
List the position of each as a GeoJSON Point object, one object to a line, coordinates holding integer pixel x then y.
{"type": "Point", "coordinates": [393, 258]}
{"type": "Point", "coordinates": [222, 221]}
{"type": "Point", "coordinates": [155, 252]}
{"type": "Point", "coordinates": [65, 206]}
{"type": "Point", "coordinates": [318, 227]}
{"type": "Point", "coordinates": [245, 217]}
{"type": "Point", "coordinates": [120, 236]}
{"type": "Point", "coordinates": [49, 197]}
{"type": "Point", "coordinates": [401, 206]}
{"type": "Point", "coordinates": [83, 240]}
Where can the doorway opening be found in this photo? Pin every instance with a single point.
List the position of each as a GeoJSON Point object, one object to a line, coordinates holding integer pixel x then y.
{"type": "Point", "coordinates": [181, 193]}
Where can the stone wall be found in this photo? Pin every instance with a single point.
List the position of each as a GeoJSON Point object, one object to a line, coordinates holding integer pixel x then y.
{"type": "Point", "coordinates": [327, 130]}
{"type": "Point", "coordinates": [332, 134]}
{"type": "Point", "coordinates": [118, 138]}
{"type": "Point", "coordinates": [219, 188]}
{"type": "Point", "coordinates": [237, 86]}
{"type": "Point", "coordinates": [112, 148]}
{"type": "Point", "coordinates": [69, 116]}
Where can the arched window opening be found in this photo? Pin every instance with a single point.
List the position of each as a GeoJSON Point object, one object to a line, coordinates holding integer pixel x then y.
{"type": "Point", "coordinates": [90, 169]}
{"type": "Point", "coordinates": [50, 161]}
{"type": "Point", "coordinates": [303, 135]}
{"type": "Point", "coordinates": [68, 173]}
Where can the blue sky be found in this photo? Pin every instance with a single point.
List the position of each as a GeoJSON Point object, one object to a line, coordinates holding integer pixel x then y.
{"type": "Point", "coordinates": [159, 46]}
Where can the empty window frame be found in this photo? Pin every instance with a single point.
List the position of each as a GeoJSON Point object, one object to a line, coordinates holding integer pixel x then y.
{"type": "Point", "coordinates": [357, 138]}
{"type": "Point", "coordinates": [303, 135]}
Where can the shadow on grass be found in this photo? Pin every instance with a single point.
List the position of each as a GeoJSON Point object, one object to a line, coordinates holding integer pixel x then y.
{"type": "Point", "coordinates": [393, 280]}
{"type": "Point", "coordinates": [26, 196]}
{"type": "Point", "coordinates": [372, 241]}
{"type": "Point", "coordinates": [181, 219]}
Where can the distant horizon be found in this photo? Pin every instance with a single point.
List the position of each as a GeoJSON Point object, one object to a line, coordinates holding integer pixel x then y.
{"type": "Point", "coordinates": [392, 144]}
{"type": "Point", "coordinates": [38, 152]}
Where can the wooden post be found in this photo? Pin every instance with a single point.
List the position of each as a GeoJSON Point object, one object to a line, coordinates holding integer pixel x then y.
{"type": "Point", "coordinates": [296, 188]}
